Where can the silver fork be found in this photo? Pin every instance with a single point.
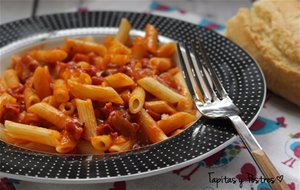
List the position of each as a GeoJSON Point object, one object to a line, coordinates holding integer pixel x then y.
{"type": "Point", "coordinates": [217, 104]}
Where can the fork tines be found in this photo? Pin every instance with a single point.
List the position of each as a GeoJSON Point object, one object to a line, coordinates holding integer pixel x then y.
{"type": "Point", "coordinates": [196, 69]}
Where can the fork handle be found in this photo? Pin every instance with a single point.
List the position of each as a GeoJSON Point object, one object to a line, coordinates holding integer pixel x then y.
{"type": "Point", "coordinates": [260, 157]}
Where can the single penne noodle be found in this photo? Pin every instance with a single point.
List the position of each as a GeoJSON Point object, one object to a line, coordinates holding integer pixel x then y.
{"type": "Point", "coordinates": [101, 143]}
{"type": "Point", "coordinates": [60, 91]}
{"type": "Point", "coordinates": [166, 50]}
{"type": "Point", "coordinates": [138, 49]}
{"type": "Point", "coordinates": [136, 100]}
{"type": "Point", "coordinates": [180, 80]}
{"type": "Point", "coordinates": [67, 108]}
{"type": "Point", "coordinates": [159, 107]}
{"type": "Point", "coordinates": [87, 116]}
{"type": "Point", "coordinates": [151, 38]}
{"type": "Point", "coordinates": [153, 132]}
{"type": "Point", "coordinates": [94, 92]}
{"type": "Point", "coordinates": [85, 147]}
{"type": "Point", "coordinates": [30, 97]}
{"type": "Point", "coordinates": [9, 138]}
{"type": "Point", "coordinates": [81, 46]}
{"type": "Point", "coordinates": [174, 70]}
{"type": "Point", "coordinates": [159, 90]}
{"type": "Point", "coordinates": [123, 32]}
{"type": "Point", "coordinates": [175, 121]}
{"type": "Point", "coordinates": [41, 82]}
{"type": "Point", "coordinates": [187, 103]}
{"type": "Point", "coordinates": [49, 56]}
{"type": "Point", "coordinates": [122, 144]}
{"type": "Point", "coordinates": [117, 48]}
{"type": "Point", "coordinates": [119, 80]}
{"type": "Point", "coordinates": [33, 133]}
{"type": "Point", "coordinates": [13, 140]}
{"type": "Point", "coordinates": [160, 63]}
{"type": "Point", "coordinates": [11, 78]}
{"type": "Point", "coordinates": [50, 114]}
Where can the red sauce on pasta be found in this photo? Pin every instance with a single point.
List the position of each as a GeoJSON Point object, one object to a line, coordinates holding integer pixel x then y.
{"type": "Point", "coordinates": [86, 91]}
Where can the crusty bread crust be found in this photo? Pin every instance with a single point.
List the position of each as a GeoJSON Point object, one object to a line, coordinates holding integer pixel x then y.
{"type": "Point", "coordinates": [270, 32]}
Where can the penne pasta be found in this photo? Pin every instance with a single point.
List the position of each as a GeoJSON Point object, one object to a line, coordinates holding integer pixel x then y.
{"type": "Point", "coordinates": [151, 38]}
{"type": "Point", "coordinates": [60, 91]}
{"type": "Point", "coordinates": [138, 49]}
{"type": "Point", "coordinates": [49, 56]}
{"type": "Point", "coordinates": [118, 48]}
{"type": "Point", "coordinates": [166, 50]}
{"type": "Point", "coordinates": [136, 100]}
{"type": "Point", "coordinates": [41, 82]}
{"type": "Point", "coordinates": [160, 107]}
{"type": "Point", "coordinates": [119, 80]}
{"type": "Point", "coordinates": [68, 108]}
{"type": "Point", "coordinates": [50, 114]}
{"type": "Point", "coordinates": [30, 97]}
{"type": "Point", "coordinates": [11, 78]}
{"type": "Point", "coordinates": [87, 116]}
{"type": "Point", "coordinates": [80, 46]}
{"type": "Point", "coordinates": [123, 32]}
{"type": "Point", "coordinates": [160, 64]}
{"type": "Point", "coordinates": [175, 121]}
{"type": "Point", "coordinates": [120, 59]}
{"type": "Point", "coordinates": [187, 103]}
{"type": "Point", "coordinates": [174, 70]}
{"type": "Point", "coordinates": [7, 137]}
{"type": "Point", "coordinates": [101, 143]}
{"type": "Point", "coordinates": [92, 97]}
{"type": "Point", "coordinates": [99, 93]}
{"type": "Point", "coordinates": [159, 90]}
{"type": "Point", "coordinates": [33, 133]}
{"type": "Point", "coordinates": [149, 126]}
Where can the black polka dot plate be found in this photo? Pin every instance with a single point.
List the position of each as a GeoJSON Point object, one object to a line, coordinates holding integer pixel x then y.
{"type": "Point", "coordinates": [240, 75]}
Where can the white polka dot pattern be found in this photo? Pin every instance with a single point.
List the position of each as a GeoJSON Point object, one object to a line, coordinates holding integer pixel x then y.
{"type": "Point", "coordinates": [239, 74]}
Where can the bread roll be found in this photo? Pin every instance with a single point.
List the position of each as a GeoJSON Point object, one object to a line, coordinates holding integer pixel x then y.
{"type": "Point", "coordinates": [270, 32]}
